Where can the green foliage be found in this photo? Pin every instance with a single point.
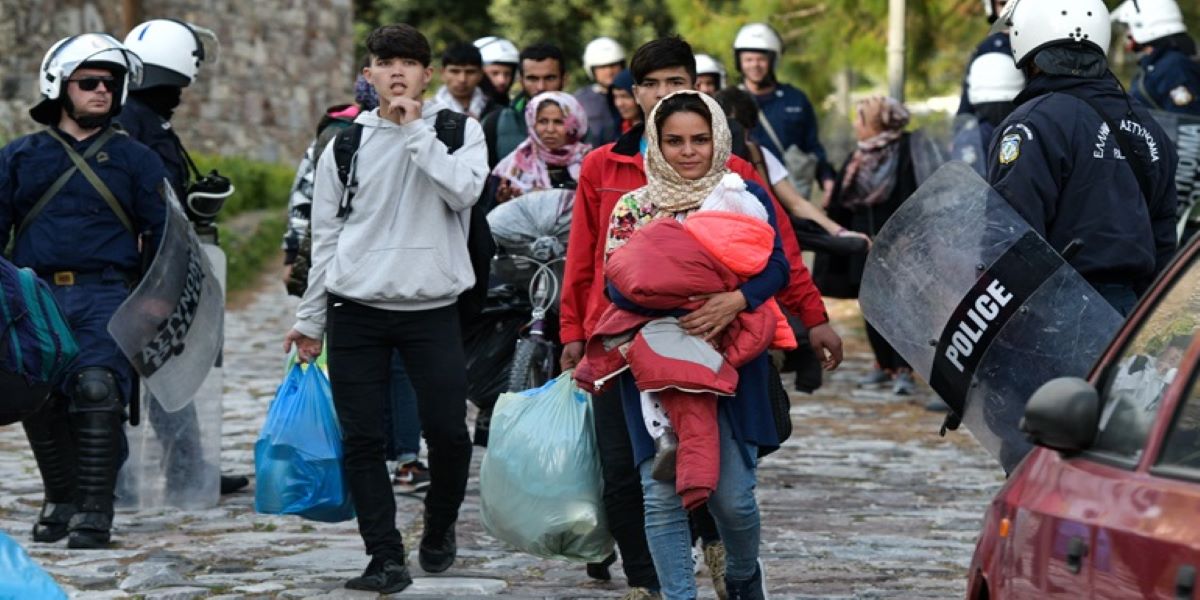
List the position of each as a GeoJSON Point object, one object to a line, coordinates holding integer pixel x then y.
{"type": "Point", "coordinates": [257, 185]}
{"type": "Point", "coordinates": [443, 22]}
{"type": "Point", "coordinates": [247, 253]}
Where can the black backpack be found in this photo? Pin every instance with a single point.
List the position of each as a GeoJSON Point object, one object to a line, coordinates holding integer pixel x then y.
{"type": "Point", "coordinates": [451, 129]}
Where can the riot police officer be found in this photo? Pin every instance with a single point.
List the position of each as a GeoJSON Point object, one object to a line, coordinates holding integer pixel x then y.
{"type": "Point", "coordinates": [1078, 150]}
{"type": "Point", "coordinates": [996, 42]}
{"type": "Point", "coordinates": [172, 52]}
{"type": "Point", "coordinates": [1168, 76]}
{"type": "Point", "coordinates": [81, 202]}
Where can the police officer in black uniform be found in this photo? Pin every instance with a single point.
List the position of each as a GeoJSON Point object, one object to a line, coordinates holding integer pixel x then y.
{"type": "Point", "coordinates": [172, 52]}
{"type": "Point", "coordinates": [1079, 159]}
{"type": "Point", "coordinates": [82, 203]}
{"type": "Point", "coordinates": [1168, 77]}
{"type": "Point", "coordinates": [996, 42]}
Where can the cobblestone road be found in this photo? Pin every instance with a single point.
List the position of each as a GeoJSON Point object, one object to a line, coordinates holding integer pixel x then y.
{"type": "Point", "coordinates": [865, 501]}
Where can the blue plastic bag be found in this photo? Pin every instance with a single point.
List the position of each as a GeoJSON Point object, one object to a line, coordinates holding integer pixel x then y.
{"type": "Point", "coordinates": [540, 482]}
{"type": "Point", "coordinates": [298, 456]}
{"type": "Point", "coordinates": [20, 577]}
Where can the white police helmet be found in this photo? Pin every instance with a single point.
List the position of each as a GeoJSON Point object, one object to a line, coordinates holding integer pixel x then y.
{"type": "Point", "coordinates": [172, 51]}
{"type": "Point", "coordinates": [1038, 24]}
{"type": "Point", "coordinates": [758, 37]}
{"type": "Point", "coordinates": [600, 52]}
{"type": "Point", "coordinates": [497, 50]}
{"type": "Point", "coordinates": [707, 65]}
{"type": "Point", "coordinates": [1150, 20]}
{"type": "Point", "coordinates": [89, 49]}
{"type": "Point", "coordinates": [994, 77]}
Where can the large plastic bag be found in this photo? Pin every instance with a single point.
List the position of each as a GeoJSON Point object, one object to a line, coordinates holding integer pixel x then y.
{"type": "Point", "coordinates": [298, 456]}
{"type": "Point", "coordinates": [20, 577]}
{"type": "Point", "coordinates": [540, 482]}
{"type": "Point", "coordinates": [524, 219]}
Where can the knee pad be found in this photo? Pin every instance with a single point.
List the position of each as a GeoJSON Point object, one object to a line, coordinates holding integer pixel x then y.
{"type": "Point", "coordinates": [95, 389]}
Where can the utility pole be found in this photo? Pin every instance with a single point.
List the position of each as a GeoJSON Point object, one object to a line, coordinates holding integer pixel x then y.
{"type": "Point", "coordinates": [896, 48]}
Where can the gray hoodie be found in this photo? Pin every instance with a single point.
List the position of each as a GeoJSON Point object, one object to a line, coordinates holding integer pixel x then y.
{"type": "Point", "coordinates": [404, 245]}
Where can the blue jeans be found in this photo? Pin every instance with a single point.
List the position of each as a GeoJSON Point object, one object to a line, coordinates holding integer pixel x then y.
{"type": "Point", "coordinates": [733, 507]}
{"type": "Point", "coordinates": [404, 425]}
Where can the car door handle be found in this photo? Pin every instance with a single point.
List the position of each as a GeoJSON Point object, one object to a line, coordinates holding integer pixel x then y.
{"type": "Point", "coordinates": [1185, 582]}
{"type": "Point", "coordinates": [1076, 550]}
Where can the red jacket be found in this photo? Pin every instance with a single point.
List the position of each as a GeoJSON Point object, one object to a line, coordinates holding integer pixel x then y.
{"type": "Point", "coordinates": [611, 171]}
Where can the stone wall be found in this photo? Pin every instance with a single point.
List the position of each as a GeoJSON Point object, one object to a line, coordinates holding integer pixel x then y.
{"type": "Point", "coordinates": [281, 63]}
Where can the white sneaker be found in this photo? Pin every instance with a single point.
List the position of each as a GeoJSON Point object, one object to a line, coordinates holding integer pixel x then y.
{"type": "Point", "coordinates": [697, 560]}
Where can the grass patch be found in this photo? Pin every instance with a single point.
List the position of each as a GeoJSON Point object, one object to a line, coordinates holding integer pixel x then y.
{"type": "Point", "coordinates": [248, 252]}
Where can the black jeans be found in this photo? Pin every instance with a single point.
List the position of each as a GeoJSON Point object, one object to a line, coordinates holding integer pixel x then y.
{"type": "Point", "coordinates": [361, 340]}
{"type": "Point", "coordinates": [885, 354]}
{"type": "Point", "coordinates": [623, 490]}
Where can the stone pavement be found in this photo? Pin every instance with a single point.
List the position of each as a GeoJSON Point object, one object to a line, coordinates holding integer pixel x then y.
{"type": "Point", "coordinates": [865, 501]}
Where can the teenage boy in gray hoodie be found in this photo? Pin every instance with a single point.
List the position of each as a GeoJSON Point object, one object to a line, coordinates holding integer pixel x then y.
{"type": "Point", "coordinates": [386, 276]}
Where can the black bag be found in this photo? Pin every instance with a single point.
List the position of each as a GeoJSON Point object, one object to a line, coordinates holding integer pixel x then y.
{"type": "Point", "coordinates": [813, 238]}
{"type": "Point", "coordinates": [781, 404]}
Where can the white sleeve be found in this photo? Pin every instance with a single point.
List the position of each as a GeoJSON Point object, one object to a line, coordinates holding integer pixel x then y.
{"type": "Point", "coordinates": [776, 172]}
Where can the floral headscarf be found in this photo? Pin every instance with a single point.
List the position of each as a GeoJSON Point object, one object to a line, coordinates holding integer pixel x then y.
{"type": "Point", "coordinates": [666, 189]}
{"type": "Point", "coordinates": [526, 168]}
{"type": "Point", "coordinates": [872, 171]}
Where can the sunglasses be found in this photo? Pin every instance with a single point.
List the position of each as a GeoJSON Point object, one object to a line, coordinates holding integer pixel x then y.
{"type": "Point", "coordinates": [90, 84]}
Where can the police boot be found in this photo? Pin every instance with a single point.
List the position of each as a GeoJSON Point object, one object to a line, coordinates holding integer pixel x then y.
{"type": "Point", "coordinates": [49, 436]}
{"type": "Point", "coordinates": [96, 413]}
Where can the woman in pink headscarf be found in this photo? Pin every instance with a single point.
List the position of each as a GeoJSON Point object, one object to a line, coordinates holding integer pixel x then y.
{"type": "Point", "coordinates": [552, 154]}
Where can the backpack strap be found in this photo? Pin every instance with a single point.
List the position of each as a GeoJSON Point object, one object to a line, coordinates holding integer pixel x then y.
{"type": "Point", "coordinates": [451, 130]}
{"type": "Point", "coordinates": [79, 164]}
{"type": "Point", "coordinates": [1134, 156]}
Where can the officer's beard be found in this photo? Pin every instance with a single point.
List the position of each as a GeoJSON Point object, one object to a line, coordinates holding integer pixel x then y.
{"type": "Point", "coordinates": [86, 121]}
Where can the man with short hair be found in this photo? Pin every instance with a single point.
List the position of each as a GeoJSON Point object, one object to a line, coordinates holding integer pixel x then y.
{"type": "Point", "coordinates": [390, 260]}
{"type": "Point", "coordinates": [542, 70]}
{"type": "Point", "coordinates": [103, 198]}
{"type": "Point", "coordinates": [462, 70]}
{"type": "Point", "coordinates": [659, 68]}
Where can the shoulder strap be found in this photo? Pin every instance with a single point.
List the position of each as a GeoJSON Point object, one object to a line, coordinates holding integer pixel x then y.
{"type": "Point", "coordinates": [451, 128]}
{"type": "Point", "coordinates": [79, 164]}
{"type": "Point", "coordinates": [1133, 155]}
{"type": "Point", "coordinates": [762, 120]}
{"type": "Point", "coordinates": [345, 155]}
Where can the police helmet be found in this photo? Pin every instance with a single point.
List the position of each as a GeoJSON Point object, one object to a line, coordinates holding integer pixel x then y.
{"type": "Point", "coordinates": [758, 37]}
{"type": "Point", "coordinates": [1038, 24]}
{"type": "Point", "coordinates": [707, 65]}
{"type": "Point", "coordinates": [172, 51]}
{"type": "Point", "coordinates": [600, 52]}
{"type": "Point", "coordinates": [98, 50]}
{"type": "Point", "coordinates": [1150, 20]}
{"type": "Point", "coordinates": [497, 50]}
{"type": "Point", "coordinates": [994, 77]}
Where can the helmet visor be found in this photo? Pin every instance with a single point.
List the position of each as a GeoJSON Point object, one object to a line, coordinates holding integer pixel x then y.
{"type": "Point", "coordinates": [119, 57]}
{"type": "Point", "coordinates": [1004, 21]}
{"type": "Point", "coordinates": [210, 46]}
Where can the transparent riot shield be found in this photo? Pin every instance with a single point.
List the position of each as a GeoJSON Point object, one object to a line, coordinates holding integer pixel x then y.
{"type": "Point", "coordinates": [174, 453]}
{"type": "Point", "coordinates": [980, 305]}
{"type": "Point", "coordinates": [1184, 131]}
{"type": "Point", "coordinates": [969, 145]}
{"type": "Point", "coordinates": [171, 327]}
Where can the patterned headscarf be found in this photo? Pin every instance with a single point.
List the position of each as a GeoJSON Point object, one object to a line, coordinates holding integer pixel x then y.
{"type": "Point", "coordinates": [525, 167]}
{"type": "Point", "coordinates": [666, 189]}
{"type": "Point", "coordinates": [871, 174]}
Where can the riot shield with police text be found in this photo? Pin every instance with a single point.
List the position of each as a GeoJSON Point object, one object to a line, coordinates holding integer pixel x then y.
{"type": "Point", "coordinates": [1184, 131]}
{"type": "Point", "coordinates": [980, 305]}
{"type": "Point", "coordinates": [171, 327]}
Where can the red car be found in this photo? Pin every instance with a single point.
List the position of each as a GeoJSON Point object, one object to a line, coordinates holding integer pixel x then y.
{"type": "Point", "coordinates": [1108, 503]}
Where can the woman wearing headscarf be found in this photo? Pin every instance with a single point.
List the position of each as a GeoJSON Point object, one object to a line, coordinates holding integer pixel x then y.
{"type": "Point", "coordinates": [688, 143]}
{"type": "Point", "coordinates": [552, 154]}
{"type": "Point", "coordinates": [876, 179]}
{"type": "Point", "coordinates": [623, 100]}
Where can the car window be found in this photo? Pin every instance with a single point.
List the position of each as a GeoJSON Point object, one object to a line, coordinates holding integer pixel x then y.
{"type": "Point", "coordinates": [1133, 387]}
{"type": "Point", "coordinates": [1182, 446]}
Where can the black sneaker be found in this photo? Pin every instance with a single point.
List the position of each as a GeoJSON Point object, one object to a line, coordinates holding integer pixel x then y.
{"type": "Point", "coordinates": [411, 478]}
{"type": "Point", "coordinates": [233, 483]}
{"type": "Point", "coordinates": [383, 575]}
{"type": "Point", "coordinates": [438, 549]}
